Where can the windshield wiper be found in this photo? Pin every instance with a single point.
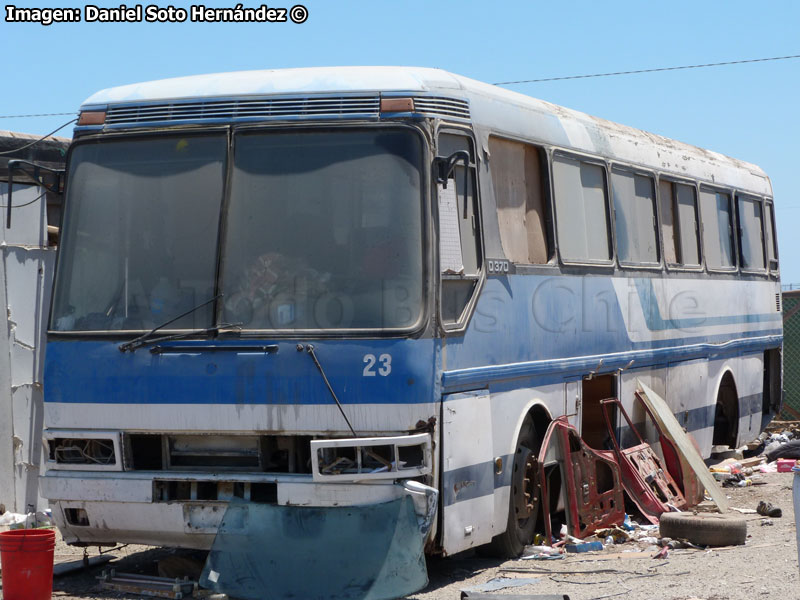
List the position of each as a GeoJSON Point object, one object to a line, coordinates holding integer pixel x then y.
{"type": "Point", "coordinates": [144, 339]}
{"type": "Point", "coordinates": [309, 348]}
{"type": "Point", "coordinates": [187, 334]}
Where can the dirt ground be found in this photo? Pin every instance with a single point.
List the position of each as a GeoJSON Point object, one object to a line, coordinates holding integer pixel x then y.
{"type": "Point", "coordinates": [766, 567]}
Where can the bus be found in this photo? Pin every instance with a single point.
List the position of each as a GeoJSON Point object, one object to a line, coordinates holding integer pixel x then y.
{"type": "Point", "coordinates": [300, 287]}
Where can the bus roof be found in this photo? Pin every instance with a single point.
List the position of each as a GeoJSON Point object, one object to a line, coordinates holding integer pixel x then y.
{"type": "Point", "coordinates": [494, 108]}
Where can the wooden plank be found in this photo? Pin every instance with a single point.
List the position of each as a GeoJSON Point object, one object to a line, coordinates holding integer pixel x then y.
{"type": "Point", "coordinates": [673, 430]}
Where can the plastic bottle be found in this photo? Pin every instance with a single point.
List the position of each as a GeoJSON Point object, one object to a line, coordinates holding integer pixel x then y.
{"type": "Point", "coordinates": [626, 524]}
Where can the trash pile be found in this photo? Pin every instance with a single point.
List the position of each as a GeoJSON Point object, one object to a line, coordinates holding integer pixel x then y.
{"type": "Point", "coordinates": [774, 446]}
{"type": "Point", "coordinates": [643, 537]}
{"type": "Point", "coordinates": [675, 531]}
{"type": "Point", "coordinates": [776, 451]}
{"type": "Point", "coordinates": [31, 520]}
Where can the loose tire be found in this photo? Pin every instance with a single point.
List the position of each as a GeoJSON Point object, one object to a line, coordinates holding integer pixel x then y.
{"type": "Point", "coordinates": [520, 530]}
{"type": "Point", "coordinates": [704, 530]}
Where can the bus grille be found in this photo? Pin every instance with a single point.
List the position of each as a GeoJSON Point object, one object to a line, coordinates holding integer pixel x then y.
{"type": "Point", "coordinates": [243, 109]}
{"type": "Point", "coordinates": [444, 107]}
{"type": "Point", "coordinates": [274, 108]}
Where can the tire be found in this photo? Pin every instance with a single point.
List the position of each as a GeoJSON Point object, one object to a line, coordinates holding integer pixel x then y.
{"type": "Point", "coordinates": [704, 530]}
{"type": "Point", "coordinates": [519, 531]}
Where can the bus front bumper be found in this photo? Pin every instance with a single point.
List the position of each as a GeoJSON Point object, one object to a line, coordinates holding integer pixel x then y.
{"type": "Point", "coordinates": [173, 509]}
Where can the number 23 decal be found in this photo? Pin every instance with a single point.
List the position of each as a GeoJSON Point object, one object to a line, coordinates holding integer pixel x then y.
{"type": "Point", "coordinates": [384, 362]}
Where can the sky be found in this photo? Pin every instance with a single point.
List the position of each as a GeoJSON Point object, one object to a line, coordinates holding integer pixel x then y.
{"type": "Point", "coordinates": [746, 111]}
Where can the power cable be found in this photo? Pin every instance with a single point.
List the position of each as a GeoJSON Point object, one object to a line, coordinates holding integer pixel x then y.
{"type": "Point", "coordinates": [719, 64]}
{"type": "Point", "coordinates": [33, 143]}
{"type": "Point", "coordinates": [37, 115]}
{"type": "Point", "coordinates": [39, 197]}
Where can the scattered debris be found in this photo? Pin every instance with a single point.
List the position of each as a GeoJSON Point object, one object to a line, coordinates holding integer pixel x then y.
{"type": "Point", "coordinates": [768, 510]}
{"type": "Point", "coordinates": [27, 521]}
{"type": "Point", "coordinates": [584, 547]}
{"type": "Point", "coordinates": [789, 449]}
{"type": "Point", "coordinates": [534, 552]}
{"type": "Point", "coordinates": [663, 553]}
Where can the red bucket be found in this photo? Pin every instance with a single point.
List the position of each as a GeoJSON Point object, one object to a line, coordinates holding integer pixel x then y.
{"type": "Point", "coordinates": [27, 562]}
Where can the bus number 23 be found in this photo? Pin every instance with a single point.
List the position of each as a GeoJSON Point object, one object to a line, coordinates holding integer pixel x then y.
{"type": "Point", "coordinates": [384, 362]}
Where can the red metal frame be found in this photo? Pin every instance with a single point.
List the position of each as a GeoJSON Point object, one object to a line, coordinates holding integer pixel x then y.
{"type": "Point", "coordinates": [591, 509]}
{"type": "Point", "coordinates": [645, 479]}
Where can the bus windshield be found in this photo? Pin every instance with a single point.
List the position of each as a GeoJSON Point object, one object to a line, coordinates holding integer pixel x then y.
{"type": "Point", "coordinates": [140, 233]}
{"type": "Point", "coordinates": [322, 230]}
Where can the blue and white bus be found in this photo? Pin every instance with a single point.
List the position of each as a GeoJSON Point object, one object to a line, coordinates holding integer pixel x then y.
{"type": "Point", "coordinates": [299, 287]}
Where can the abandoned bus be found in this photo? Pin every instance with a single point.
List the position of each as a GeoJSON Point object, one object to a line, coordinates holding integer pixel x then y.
{"type": "Point", "coordinates": [303, 287]}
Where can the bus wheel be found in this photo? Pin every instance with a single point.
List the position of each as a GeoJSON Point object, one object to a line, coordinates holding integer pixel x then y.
{"type": "Point", "coordinates": [523, 507]}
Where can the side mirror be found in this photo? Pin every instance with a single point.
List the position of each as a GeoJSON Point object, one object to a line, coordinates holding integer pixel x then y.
{"type": "Point", "coordinates": [445, 165]}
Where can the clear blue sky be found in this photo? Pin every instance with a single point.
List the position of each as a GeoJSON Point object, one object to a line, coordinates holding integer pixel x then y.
{"type": "Point", "coordinates": [746, 111]}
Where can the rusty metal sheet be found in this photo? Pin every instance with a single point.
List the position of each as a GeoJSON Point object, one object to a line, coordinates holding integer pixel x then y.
{"type": "Point", "coordinates": [644, 477]}
{"type": "Point", "coordinates": [690, 457]}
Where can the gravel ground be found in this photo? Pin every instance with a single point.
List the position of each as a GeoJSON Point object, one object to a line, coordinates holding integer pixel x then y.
{"type": "Point", "coordinates": [766, 567]}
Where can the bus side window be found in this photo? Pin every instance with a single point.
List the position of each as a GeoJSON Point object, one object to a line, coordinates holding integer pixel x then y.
{"type": "Point", "coordinates": [769, 227]}
{"type": "Point", "coordinates": [458, 287]}
{"type": "Point", "coordinates": [581, 210]}
{"type": "Point", "coordinates": [717, 218]}
{"type": "Point", "coordinates": [518, 178]}
{"type": "Point", "coordinates": [679, 223]}
{"type": "Point", "coordinates": [634, 217]}
{"type": "Point", "coordinates": [751, 236]}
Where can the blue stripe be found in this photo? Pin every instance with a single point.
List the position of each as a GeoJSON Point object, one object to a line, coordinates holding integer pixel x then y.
{"type": "Point", "coordinates": [475, 481]}
{"type": "Point", "coordinates": [655, 322]}
{"type": "Point", "coordinates": [400, 371]}
{"type": "Point", "coordinates": [558, 368]}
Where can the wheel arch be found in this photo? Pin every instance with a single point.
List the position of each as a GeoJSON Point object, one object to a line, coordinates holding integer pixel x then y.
{"type": "Point", "coordinates": [541, 416]}
{"type": "Point", "coordinates": [727, 410]}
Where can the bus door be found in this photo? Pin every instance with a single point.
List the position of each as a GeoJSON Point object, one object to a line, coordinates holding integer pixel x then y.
{"type": "Point", "coordinates": [468, 471]}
